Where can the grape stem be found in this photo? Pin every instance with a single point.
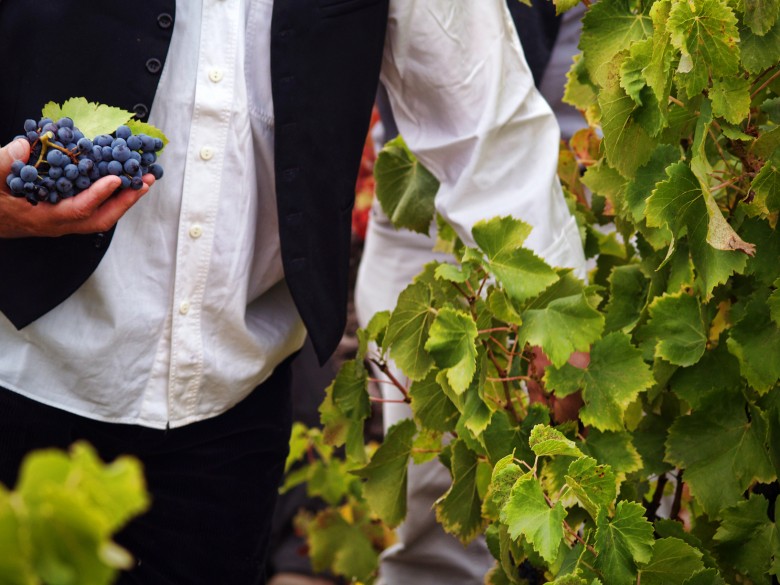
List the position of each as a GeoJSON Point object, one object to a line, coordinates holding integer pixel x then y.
{"type": "Point", "coordinates": [47, 143]}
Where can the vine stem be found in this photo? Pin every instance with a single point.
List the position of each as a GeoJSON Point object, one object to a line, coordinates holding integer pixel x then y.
{"type": "Point", "coordinates": [763, 85]}
{"type": "Point", "coordinates": [505, 385]}
{"type": "Point", "coordinates": [576, 535]}
{"type": "Point", "coordinates": [510, 379]}
{"type": "Point", "coordinates": [494, 330]}
{"type": "Point", "coordinates": [674, 100]}
{"type": "Point", "coordinates": [393, 380]}
{"type": "Point", "coordinates": [677, 503]}
{"type": "Point", "coordinates": [387, 400]}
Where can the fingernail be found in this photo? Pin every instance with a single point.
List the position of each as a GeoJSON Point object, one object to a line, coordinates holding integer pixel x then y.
{"type": "Point", "coordinates": [17, 148]}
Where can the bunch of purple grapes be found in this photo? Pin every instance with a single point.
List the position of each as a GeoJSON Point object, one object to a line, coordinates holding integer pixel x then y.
{"type": "Point", "coordinates": [63, 162]}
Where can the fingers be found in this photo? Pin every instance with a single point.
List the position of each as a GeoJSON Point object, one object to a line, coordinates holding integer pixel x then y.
{"type": "Point", "coordinates": [17, 150]}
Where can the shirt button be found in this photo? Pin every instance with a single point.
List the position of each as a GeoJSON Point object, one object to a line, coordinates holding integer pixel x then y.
{"type": "Point", "coordinates": [216, 75]}
{"type": "Point", "coordinates": [184, 307]}
{"type": "Point", "coordinates": [196, 231]}
{"type": "Point", "coordinates": [206, 153]}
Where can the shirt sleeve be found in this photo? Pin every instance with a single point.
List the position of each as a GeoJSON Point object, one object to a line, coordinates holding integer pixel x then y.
{"type": "Point", "coordinates": [464, 100]}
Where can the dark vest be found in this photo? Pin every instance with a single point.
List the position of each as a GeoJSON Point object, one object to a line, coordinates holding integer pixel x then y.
{"type": "Point", "coordinates": [325, 60]}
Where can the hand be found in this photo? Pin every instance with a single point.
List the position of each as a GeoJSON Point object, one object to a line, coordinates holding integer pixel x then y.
{"type": "Point", "coordinates": [94, 210]}
{"type": "Point", "coordinates": [562, 409]}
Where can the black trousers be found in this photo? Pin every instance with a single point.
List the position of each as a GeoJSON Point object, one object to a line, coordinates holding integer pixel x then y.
{"type": "Point", "coordinates": [213, 484]}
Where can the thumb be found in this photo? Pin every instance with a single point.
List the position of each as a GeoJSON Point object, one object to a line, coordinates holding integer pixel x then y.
{"type": "Point", "coordinates": [17, 150]}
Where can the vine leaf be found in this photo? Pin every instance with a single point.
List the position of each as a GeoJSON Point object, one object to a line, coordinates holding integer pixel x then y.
{"type": "Point", "coordinates": [755, 341]}
{"type": "Point", "coordinates": [759, 52]}
{"type": "Point", "coordinates": [721, 449]}
{"type": "Point", "coordinates": [345, 408]}
{"type": "Point", "coordinates": [705, 577]}
{"type": "Point", "coordinates": [562, 326]}
{"type": "Point", "coordinates": [386, 473]}
{"type": "Point", "coordinates": [341, 547]}
{"type": "Point", "coordinates": [622, 542]}
{"type": "Point", "coordinates": [608, 28]}
{"type": "Point", "coordinates": [431, 407]}
{"type": "Point", "coordinates": [452, 345]}
{"type": "Point", "coordinates": [404, 187]}
{"type": "Point", "coordinates": [679, 203]}
{"type": "Point", "coordinates": [673, 561]}
{"type": "Point", "coordinates": [616, 449]}
{"type": "Point", "coordinates": [627, 296]}
{"type": "Point", "coordinates": [89, 117]}
{"type": "Point", "coordinates": [766, 186]}
{"type": "Point", "coordinates": [407, 330]}
{"type": "Point", "coordinates": [677, 328]}
{"type": "Point", "coordinates": [545, 440]}
{"type": "Point", "coordinates": [705, 31]}
{"type": "Point", "coordinates": [522, 274]}
{"type": "Point", "coordinates": [459, 510]}
{"type": "Point", "coordinates": [613, 379]}
{"type": "Point", "coordinates": [747, 540]}
{"type": "Point", "coordinates": [594, 485]}
{"type": "Point", "coordinates": [528, 514]}
{"type": "Point", "coordinates": [628, 145]}
{"type": "Point", "coordinates": [731, 98]}
{"type": "Point", "coordinates": [505, 475]}
{"type": "Point", "coordinates": [761, 15]}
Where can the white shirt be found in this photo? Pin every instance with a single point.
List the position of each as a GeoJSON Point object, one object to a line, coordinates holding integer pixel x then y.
{"type": "Point", "coordinates": [188, 311]}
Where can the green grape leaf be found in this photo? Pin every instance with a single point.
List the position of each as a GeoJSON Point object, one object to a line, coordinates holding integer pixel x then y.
{"type": "Point", "coordinates": [761, 15]}
{"type": "Point", "coordinates": [614, 449]}
{"type": "Point", "coordinates": [338, 546]}
{"type": "Point", "coordinates": [773, 302]}
{"type": "Point", "coordinates": [547, 441]}
{"type": "Point", "coordinates": [627, 294]}
{"type": "Point", "coordinates": [705, 31]}
{"type": "Point", "coordinates": [622, 542]}
{"type": "Point", "coordinates": [502, 307]}
{"type": "Point", "coordinates": [607, 29]}
{"type": "Point", "coordinates": [431, 407]}
{"type": "Point", "coordinates": [608, 182]}
{"type": "Point", "coordinates": [759, 52]}
{"type": "Point", "coordinates": [731, 98]}
{"type": "Point", "coordinates": [528, 514]}
{"type": "Point", "coordinates": [721, 449]}
{"type": "Point", "coordinates": [386, 473]}
{"type": "Point", "coordinates": [755, 341]}
{"type": "Point", "coordinates": [628, 145]}
{"type": "Point", "coordinates": [345, 408]}
{"type": "Point", "coordinates": [746, 539]}
{"type": "Point", "coordinates": [677, 328]}
{"type": "Point", "coordinates": [658, 71]}
{"type": "Point", "coordinates": [650, 438]}
{"type": "Point", "coordinates": [646, 178]}
{"type": "Point", "coordinates": [89, 117]}
{"type": "Point", "coordinates": [763, 265]}
{"type": "Point", "coordinates": [705, 577]}
{"type": "Point", "coordinates": [452, 345]}
{"type": "Point", "coordinates": [459, 510]}
{"type": "Point", "coordinates": [632, 79]}
{"type": "Point", "coordinates": [562, 6]}
{"type": "Point", "coordinates": [503, 437]}
{"type": "Point", "coordinates": [613, 379]}
{"type": "Point", "coordinates": [505, 475]}
{"type": "Point", "coordinates": [766, 186]}
{"type": "Point", "coordinates": [672, 563]}
{"type": "Point", "coordinates": [679, 203]}
{"type": "Point", "coordinates": [407, 330]}
{"type": "Point", "coordinates": [579, 91]}
{"type": "Point", "coordinates": [563, 326]}
{"type": "Point", "coordinates": [716, 371]}
{"type": "Point", "coordinates": [522, 274]}
{"type": "Point", "coordinates": [404, 187]}
{"type": "Point", "coordinates": [594, 485]}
